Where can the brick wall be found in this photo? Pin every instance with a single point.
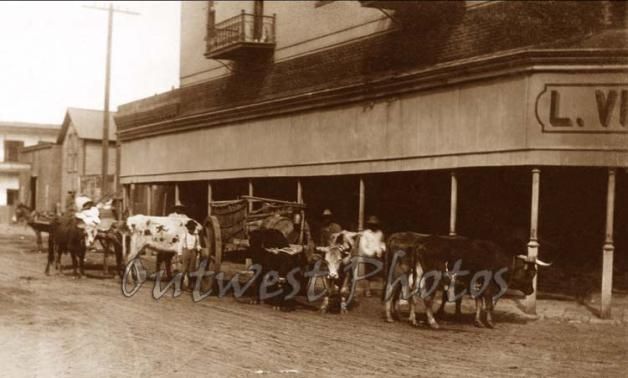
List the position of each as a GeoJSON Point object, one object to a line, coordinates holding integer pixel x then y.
{"type": "Point", "coordinates": [439, 33]}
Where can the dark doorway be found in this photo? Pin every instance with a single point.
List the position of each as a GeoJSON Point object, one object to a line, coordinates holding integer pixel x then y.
{"type": "Point", "coordinates": [33, 201]}
{"type": "Point", "coordinates": [409, 201]}
{"type": "Point", "coordinates": [193, 194]}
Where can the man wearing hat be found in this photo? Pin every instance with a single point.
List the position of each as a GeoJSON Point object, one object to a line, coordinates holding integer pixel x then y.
{"type": "Point", "coordinates": [371, 245]}
{"type": "Point", "coordinates": [328, 228]}
{"type": "Point", "coordinates": [178, 211]}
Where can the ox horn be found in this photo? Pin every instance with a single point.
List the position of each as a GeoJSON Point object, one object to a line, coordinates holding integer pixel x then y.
{"type": "Point", "coordinates": [534, 260]}
{"type": "Point", "coordinates": [541, 263]}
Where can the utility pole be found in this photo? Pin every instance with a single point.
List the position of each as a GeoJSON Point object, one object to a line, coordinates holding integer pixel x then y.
{"type": "Point", "coordinates": [105, 128]}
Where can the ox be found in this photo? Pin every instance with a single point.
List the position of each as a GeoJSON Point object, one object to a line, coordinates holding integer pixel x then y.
{"type": "Point", "coordinates": [474, 262]}
{"type": "Point", "coordinates": [164, 235]}
{"type": "Point", "coordinates": [337, 258]}
{"type": "Point", "coordinates": [72, 234]}
{"type": "Point", "coordinates": [486, 271]}
{"type": "Point", "coordinates": [282, 267]}
{"type": "Point", "coordinates": [343, 247]}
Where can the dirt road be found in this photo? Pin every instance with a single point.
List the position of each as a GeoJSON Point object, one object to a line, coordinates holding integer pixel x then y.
{"type": "Point", "coordinates": [59, 326]}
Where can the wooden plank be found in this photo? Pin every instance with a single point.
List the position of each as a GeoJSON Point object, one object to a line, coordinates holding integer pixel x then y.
{"type": "Point", "coordinates": [271, 200]}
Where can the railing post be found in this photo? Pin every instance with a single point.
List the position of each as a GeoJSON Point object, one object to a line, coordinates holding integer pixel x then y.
{"type": "Point", "coordinates": [609, 248]}
{"type": "Point", "coordinates": [274, 26]}
{"type": "Point", "coordinates": [242, 26]}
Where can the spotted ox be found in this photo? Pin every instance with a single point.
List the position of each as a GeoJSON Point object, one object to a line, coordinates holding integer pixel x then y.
{"type": "Point", "coordinates": [337, 259]}
{"type": "Point", "coordinates": [160, 234]}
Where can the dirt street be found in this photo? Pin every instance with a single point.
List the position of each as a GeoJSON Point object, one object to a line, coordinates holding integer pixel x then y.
{"type": "Point", "coordinates": [58, 326]}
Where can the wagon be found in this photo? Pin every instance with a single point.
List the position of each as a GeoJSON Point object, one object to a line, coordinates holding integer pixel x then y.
{"type": "Point", "coordinates": [230, 222]}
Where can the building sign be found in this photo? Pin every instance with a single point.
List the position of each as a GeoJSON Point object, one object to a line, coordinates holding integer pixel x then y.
{"type": "Point", "coordinates": [583, 108]}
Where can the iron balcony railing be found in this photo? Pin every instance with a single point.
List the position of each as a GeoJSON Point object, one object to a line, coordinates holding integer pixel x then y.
{"type": "Point", "coordinates": [243, 28]}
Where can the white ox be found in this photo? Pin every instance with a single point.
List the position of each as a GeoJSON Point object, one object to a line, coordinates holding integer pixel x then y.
{"type": "Point", "coordinates": [161, 234]}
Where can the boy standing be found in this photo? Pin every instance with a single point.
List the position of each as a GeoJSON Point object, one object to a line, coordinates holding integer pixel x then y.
{"type": "Point", "coordinates": [191, 246]}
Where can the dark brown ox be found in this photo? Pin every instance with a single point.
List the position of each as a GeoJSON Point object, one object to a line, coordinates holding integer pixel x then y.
{"type": "Point", "coordinates": [481, 267]}
{"type": "Point", "coordinates": [69, 234]}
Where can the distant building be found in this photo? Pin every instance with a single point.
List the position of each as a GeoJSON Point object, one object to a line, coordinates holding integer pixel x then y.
{"type": "Point", "coordinates": [40, 187]}
{"type": "Point", "coordinates": [13, 137]}
{"type": "Point", "coordinates": [80, 139]}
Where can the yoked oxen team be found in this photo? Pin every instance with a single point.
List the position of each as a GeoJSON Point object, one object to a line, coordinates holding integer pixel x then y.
{"type": "Point", "coordinates": [414, 266]}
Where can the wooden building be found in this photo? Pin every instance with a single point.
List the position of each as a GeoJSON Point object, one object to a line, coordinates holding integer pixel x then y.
{"type": "Point", "coordinates": [13, 137]}
{"type": "Point", "coordinates": [40, 187]}
{"type": "Point", "coordinates": [445, 117]}
{"type": "Point", "coordinates": [80, 139]}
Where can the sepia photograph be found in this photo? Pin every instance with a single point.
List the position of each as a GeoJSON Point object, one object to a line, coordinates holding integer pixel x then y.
{"type": "Point", "coordinates": [314, 188]}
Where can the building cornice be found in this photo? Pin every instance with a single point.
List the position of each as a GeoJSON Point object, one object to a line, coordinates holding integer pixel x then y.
{"type": "Point", "coordinates": [512, 63]}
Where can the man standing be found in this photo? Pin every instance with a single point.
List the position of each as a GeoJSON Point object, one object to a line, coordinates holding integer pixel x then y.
{"type": "Point", "coordinates": [191, 247]}
{"type": "Point", "coordinates": [328, 228]}
{"type": "Point", "coordinates": [178, 211]}
{"type": "Point", "coordinates": [372, 245]}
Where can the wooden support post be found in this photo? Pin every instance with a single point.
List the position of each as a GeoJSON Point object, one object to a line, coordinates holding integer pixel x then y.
{"type": "Point", "coordinates": [250, 194]}
{"type": "Point", "coordinates": [177, 194]}
{"type": "Point", "coordinates": [299, 191]}
{"type": "Point", "coordinates": [361, 267]}
{"type": "Point", "coordinates": [609, 248]}
{"type": "Point", "coordinates": [149, 199]}
{"type": "Point", "coordinates": [131, 199]}
{"type": "Point", "coordinates": [533, 244]}
{"type": "Point", "coordinates": [209, 198]}
{"type": "Point", "coordinates": [453, 207]}
{"type": "Point", "coordinates": [361, 206]}
{"type": "Point", "coordinates": [125, 198]}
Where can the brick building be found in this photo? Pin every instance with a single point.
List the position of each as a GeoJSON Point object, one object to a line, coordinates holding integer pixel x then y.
{"type": "Point", "coordinates": [13, 137]}
{"type": "Point", "coordinates": [476, 118]}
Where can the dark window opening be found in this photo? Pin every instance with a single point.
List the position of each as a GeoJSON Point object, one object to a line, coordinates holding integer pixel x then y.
{"type": "Point", "coordinates": [12, 149]}
{"type": "Point", "coordinates": [12, 197]}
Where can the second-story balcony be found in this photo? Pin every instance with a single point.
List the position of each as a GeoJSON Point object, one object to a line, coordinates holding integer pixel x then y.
{"type": "Point", "coordinates": [241, 37]}
{"type": "Point", "coordinates": [388, 4]}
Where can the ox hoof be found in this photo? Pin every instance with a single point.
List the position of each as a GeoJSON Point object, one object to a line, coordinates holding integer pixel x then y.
{"type": "Point", "coordinates": [413, 322]}
{"type": "Point", "coordinates": [253, 301]}
{"type": "Point", "coordinates": [276, 308]}
{"type": "Point", "coordinates": [323, 310]}
{"type": "Point", "coordinates": [489, 324]}
{"type": "Point", "coordinates": [433, 325]}
{"type": "Point", "coordinates": [389, 320]}
{"type": "Point", "coordinates": [478, 323]}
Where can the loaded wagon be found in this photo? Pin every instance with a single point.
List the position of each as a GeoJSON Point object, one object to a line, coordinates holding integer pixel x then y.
{"type": "Point", "coordinates": [230, 222]}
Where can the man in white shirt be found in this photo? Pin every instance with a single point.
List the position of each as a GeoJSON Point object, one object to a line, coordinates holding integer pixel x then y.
{"type": "Point", "coordinates": [371, 245]}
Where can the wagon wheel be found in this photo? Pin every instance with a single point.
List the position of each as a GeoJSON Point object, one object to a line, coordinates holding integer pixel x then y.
{"type": "Point", "coordinates": [213, 241]}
